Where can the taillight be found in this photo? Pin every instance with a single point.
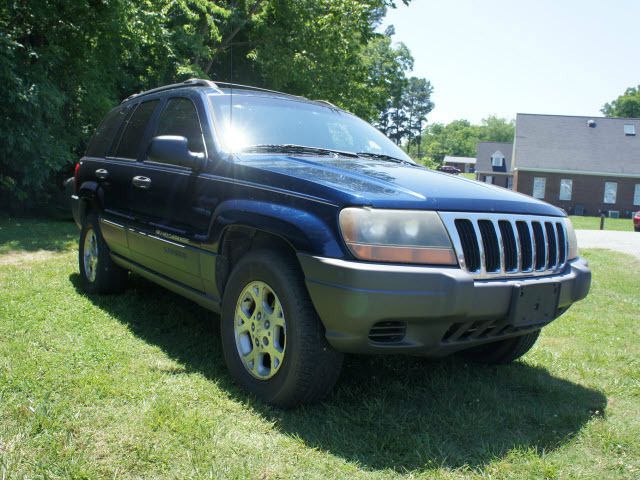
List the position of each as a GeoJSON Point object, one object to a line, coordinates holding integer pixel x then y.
{"type": "Point", "coordinates": [76, 186]}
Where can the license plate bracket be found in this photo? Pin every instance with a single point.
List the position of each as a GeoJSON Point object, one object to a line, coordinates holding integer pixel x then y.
{"type": "Point", "coordinates": [534, 304]}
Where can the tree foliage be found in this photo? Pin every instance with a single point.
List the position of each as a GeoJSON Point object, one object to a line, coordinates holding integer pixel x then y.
{"type": "Point", "coordinates": [626, 105]}
{"type": "Point", "coordinates": [460, 138]}
{"type": "Point", "coordinates": [64, 63]}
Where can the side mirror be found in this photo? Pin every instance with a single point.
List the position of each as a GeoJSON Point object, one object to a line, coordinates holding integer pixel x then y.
{"type": "Point", "coordinates": [174, 150]}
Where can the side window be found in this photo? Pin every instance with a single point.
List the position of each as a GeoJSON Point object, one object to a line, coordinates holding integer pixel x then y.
{"type": "Point", "coordinates": [129, 144]}
{"type": "Point", "coordinates": [101, 140]}
{"type": "Point", "coordinates": [180, 118]}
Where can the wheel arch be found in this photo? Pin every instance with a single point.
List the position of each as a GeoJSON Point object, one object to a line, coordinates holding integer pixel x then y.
{"type": "Point", "coordinates": [241, 226]}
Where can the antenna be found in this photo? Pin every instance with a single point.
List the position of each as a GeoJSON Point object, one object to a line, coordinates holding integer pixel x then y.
{"type": "Point", "coordinates": [230, 92]}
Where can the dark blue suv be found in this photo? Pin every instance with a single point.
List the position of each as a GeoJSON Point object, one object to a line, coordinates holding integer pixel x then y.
{"type": "Point", "coordinates": [313, 235]}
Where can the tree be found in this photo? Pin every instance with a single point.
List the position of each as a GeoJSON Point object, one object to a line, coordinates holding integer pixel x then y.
{"type": "Point", "coordinates": [417, 102]}
{"type": "Point", "coordinates": [64, 63]}
{"type": "Point", "coordinates": [460, 138]}
{"type": "Point", "coordinates": [496, 129]}
{"type": "Point", "coordinates": [626, 105]}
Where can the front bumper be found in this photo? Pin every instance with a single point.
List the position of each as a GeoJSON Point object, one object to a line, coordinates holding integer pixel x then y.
{"type": "Point", "coordinates": [442, 310]}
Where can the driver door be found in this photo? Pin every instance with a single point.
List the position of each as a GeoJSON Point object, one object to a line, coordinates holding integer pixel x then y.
{"type": "Point", "coordinates": [163, 197]}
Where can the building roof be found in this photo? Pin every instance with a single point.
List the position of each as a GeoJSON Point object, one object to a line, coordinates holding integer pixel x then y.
{"type": "Point", "coordinates": [576, 144]}
{"type": "Point", "coordinates": [486, 150]}
{"type": "Point", "coordinates": [467, 160]}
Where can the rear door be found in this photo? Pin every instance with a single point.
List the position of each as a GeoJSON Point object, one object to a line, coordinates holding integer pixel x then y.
{"type": "Point", "coordinates": [121, 162]}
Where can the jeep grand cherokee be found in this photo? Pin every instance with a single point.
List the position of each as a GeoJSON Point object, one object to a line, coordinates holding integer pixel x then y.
{"type": "Point", "coordinates": [313, 235]}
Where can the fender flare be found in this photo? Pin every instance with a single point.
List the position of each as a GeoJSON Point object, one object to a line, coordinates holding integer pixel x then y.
{"type": "Point", "coordinates": [304, 231]}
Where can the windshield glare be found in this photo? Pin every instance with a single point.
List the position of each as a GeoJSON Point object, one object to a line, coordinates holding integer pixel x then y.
{"type": "Point", "coordinates": [264, 120]}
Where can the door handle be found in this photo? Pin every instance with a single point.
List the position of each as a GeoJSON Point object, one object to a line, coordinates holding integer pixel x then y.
{"type": "Point", "coordinates": [141, 182]}
{"type": "Point", "coordinates": [102, 174]}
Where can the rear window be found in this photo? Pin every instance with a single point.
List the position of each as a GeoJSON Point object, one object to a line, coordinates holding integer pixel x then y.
{"type": "Point", "coordinates": [101, 140]}
{"type": "Point", "coordinates": [133, 133]}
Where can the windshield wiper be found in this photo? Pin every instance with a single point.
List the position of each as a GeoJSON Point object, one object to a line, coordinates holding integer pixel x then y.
{"type": "Point", "coordinates": [382, 156]}
{"type": "Point", "coordinates": [292, 148]}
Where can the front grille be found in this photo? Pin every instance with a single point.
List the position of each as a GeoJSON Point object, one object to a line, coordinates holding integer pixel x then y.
{"type": "Point", "coordinates": [490, 245]}
{"type": "Point", "coordinates": [388, 332]}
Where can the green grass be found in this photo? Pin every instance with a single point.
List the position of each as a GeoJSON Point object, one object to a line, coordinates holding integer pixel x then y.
{"type": "Point", "coordinates": [470, 176]}
{"type": "Point", "coordinates": [593, 223]}
{"type": "Point", "coordinates": [134, 386]}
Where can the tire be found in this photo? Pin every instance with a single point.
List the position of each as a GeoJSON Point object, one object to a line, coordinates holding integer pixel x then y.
{"type": "Point", "coordinates": [502, 352]}
{"type": "Point", "coordinates": [101, 275]}
{"type": "Point", "coordinates": [296, 365]}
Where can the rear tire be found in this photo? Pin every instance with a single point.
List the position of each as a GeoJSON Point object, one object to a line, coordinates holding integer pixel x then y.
{"type": "Point", "coordinates": [98, 273]}
{"type": "Point", "coordinates": [273, 341]}
{"type": "Point", "coordinates": [502, 352]}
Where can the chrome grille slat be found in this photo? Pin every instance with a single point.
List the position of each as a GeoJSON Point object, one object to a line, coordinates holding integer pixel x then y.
{"type": "Point", "coordinates": [514, 247]}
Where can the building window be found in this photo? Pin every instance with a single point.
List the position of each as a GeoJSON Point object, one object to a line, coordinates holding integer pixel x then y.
{"type": "Point", "coordinates": [610, 192]}
{"type": "Point", "coordinates": [566, 185]}
{"type": "Point", "coordinates": [510, 183]}
{"type": "Point", "coordinates": [488, 179]}
{"type": "Point", "coordinates": [539, 184]}
{"type": "Point", "coordinates": [497, 159]}
{"type": "Point", "coordinates": [630, 129]}
{"type": "Point", "coordinates": [636, 194]}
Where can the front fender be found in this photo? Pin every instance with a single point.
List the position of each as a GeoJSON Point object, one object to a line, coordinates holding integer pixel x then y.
{"type": "Point", "coordinates": [305, 231]}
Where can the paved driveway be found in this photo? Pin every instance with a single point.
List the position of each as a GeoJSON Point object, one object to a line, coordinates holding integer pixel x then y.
{"type": "Point", "coordinates": [625, 242]}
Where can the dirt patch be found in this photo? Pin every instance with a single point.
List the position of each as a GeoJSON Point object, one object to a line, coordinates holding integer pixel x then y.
{"type": "Point", "coordinates": [20, 256]}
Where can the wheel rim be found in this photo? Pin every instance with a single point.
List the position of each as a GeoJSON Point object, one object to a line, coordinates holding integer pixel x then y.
{"type": "Point", "coordinates": [90, 255]}
{"type": "Point", "coordinates": [260, 330]}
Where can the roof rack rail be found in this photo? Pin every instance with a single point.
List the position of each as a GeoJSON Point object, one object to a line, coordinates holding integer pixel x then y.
{"type": "Point", "coordinates": [192, 82]}
{"type": "Point", "coordinates": [258, 89]}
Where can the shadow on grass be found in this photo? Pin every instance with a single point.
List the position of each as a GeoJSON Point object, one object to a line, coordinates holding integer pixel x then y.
{"type": "Point", "coordinates": [389, 412]}
{"type": "Point", "coordinates": [30, 235]}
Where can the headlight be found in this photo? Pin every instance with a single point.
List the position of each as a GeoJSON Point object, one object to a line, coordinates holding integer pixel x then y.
{"type": "Point", "coordinates": [398, 236]}
{"type": "Point", "coordinates": [571, 239]}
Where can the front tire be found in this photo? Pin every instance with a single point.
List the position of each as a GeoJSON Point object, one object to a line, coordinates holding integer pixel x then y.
{"type": "Point", "coordinates": [273, 341]}
{"type": "Point", "coordinates": [502, 352]}
{"type": "Point", "coordinates": [98, 273]}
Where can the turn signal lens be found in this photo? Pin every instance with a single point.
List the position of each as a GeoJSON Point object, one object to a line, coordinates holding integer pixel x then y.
{"type": "Point", "coordinates": [396, 236]}
{"type": "Point", "coordinates": [571, 238]}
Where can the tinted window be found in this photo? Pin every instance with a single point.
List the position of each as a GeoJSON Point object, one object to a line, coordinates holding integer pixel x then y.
{"type": "Point", "coordinates": [129, 145]}
{"type": "Point", "coordinates": [180, 118]}
{"type": "Point", "coordinates": [103, 137]}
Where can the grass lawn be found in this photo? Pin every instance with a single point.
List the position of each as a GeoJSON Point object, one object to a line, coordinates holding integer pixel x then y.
{"type": "Point", "coordinates": [470, 176]}
{"type": "Point", "coordinates": [134, 386]}
{"type": "Point", "coordinates": [593, 223]}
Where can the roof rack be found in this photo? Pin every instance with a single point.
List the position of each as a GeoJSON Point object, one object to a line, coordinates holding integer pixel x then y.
{"type": "Point", "coordinates": [258, 89]}
{"type": "Point", "coordinates": [192, 82]}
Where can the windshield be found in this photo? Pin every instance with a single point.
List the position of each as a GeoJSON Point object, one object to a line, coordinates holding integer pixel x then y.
{"type": "Point", "coordinates": [272, 121]}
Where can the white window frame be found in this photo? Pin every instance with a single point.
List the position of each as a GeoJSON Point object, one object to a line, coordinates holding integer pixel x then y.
{"type": "Point", "coordinates": [539, 187]}
{"type": "Point", "coordinates": [566, 189]}
{"type": "Point", "coordinates": [488, 179]}
{"type": "Point", "coordinates": [629, 129]}
{"type": "Point", "coordinates": [497, 159]}
{"type": "Point", "coordinates": [636, 194]}
{"type": "Point", "coordinates": [610, 193]}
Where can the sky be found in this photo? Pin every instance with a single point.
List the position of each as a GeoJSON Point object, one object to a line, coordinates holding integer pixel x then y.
{"type": "Point", "coordinates": [502, 57]}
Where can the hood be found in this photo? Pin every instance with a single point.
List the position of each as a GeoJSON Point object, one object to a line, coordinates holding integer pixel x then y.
{"type": "Point", "coordinates": [384, 184]}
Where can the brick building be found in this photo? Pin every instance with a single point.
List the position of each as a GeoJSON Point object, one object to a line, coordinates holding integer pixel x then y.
{"type": "Point", "coordinates": [585, 165]}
